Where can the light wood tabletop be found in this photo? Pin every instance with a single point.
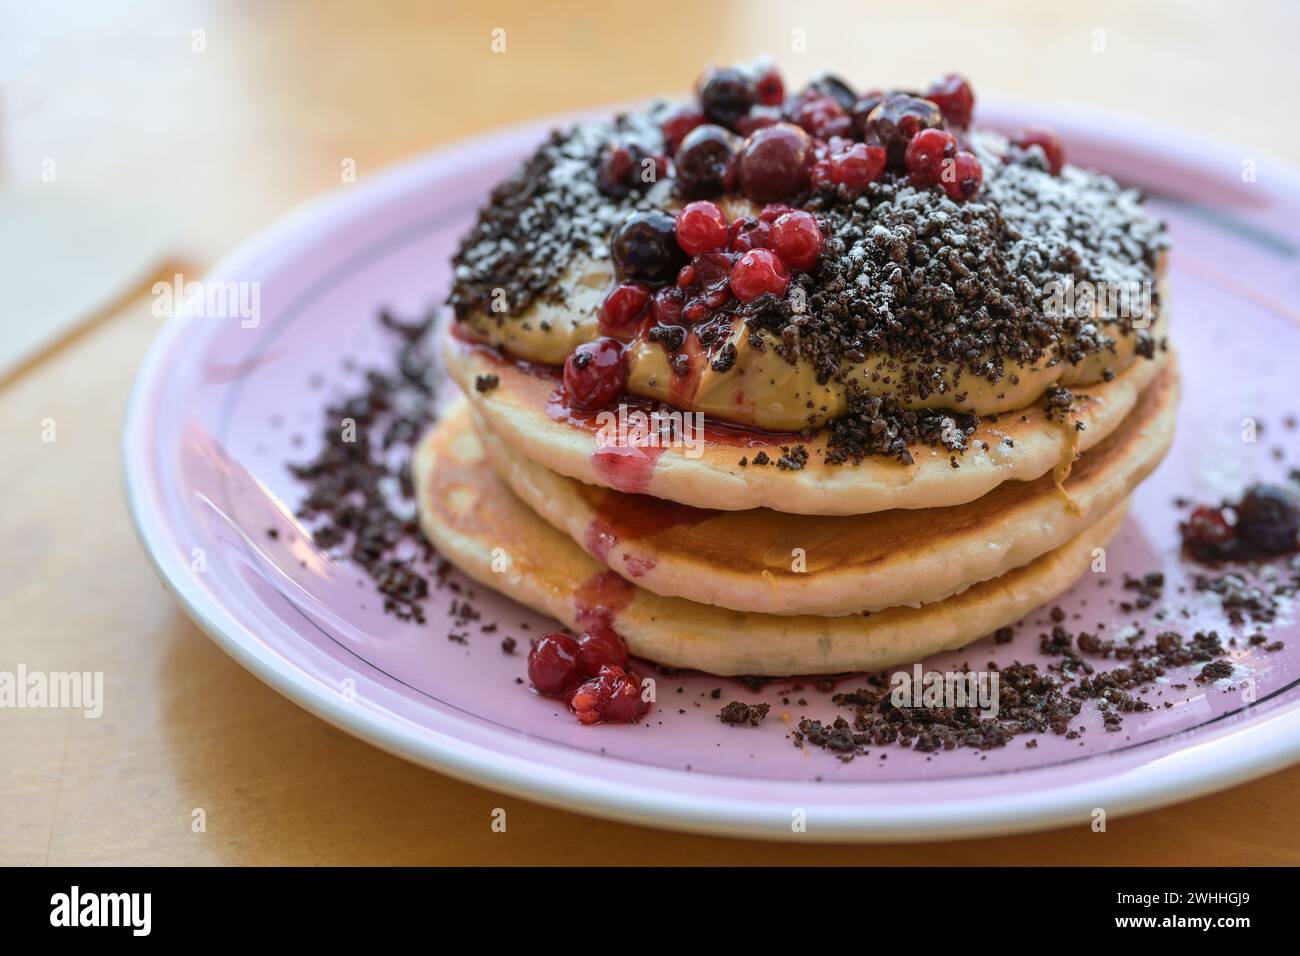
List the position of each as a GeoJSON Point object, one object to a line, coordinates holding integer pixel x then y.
{"type": "Point", "coordinates": [175, 129]}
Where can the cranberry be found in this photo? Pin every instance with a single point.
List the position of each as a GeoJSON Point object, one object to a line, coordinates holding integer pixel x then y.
{"type": "Point", "coordinates": [1047, 141]}
{"type": "Point", "coordinates": [666, 306]}
{"type": "Point", "coordinates": [1207, 534]}
{"type": "Point", "coordinates": [727, 96]}
{"type": "Point", "coordinates": [600, 648]}
{"type": "Point", "coordinates": [954, 97]}
{"type": "Point", "coordinates": [644, 247]}
{"type": "Point", "coordinates": [774, 162]}
{"type": "Point", "coordinates": [862, 108]}
{"type": "Point", "coordinates": [828, 84]}
{"type": "Point", "coordinates": [963, 176]}
{"type": "Point", "coordinates": [595, 373]}
{"type": "Point", "coordinates": [702, 227]}
{"type": "Point", "coordinates": [619, 313]}
{"type": "Point", "coordinates": [713, 271]}
{"type": "Point", "coordinates": [705, 161]}
{"type": "Point", "coordinates": [769, 88]}
{"type": "Point", "coordinates": [612, 696]}
{"type": "Point", "coordinates": [898, 118]}
{"type": "Point", "coordinates": [925, 155]}
{"type": "Point", "coordinates": [856, 167]}
{"type": "Point", "coordinates": [759, 271]}
{"type": "Point", "coordinates": [797, 239]}
{"type": "Point", "coordinates": [553, 663]}
{"type": "Point", "coordinates": [750, 233]}
{"type": "Point", "coordinates": [1268, 518]}
{"type": "Point", "coordinates": [823, 117]}
{"type": "Point", "coordinates": [678, 124]}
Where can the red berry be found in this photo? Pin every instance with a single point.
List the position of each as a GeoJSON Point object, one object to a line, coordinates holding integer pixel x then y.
{"type": "Point", "coordinates": [600, 648]}
{"type": "Point", "coordinates": [769, 87]}
{"type": "Point", "coordinates": [759, 271]}
{"type": "Point", "coordinates": [925, 155]}
{"type": "Point", "coordinates": [702, 227]}
{"type": "Point", "coordinates": [955, 97]}
{"type": "Point", "coordinates": [1207, 534]}
{"type": "Point", "coordinates": [773, 211]}
{"type": "Point", "coordinates": [1048, 142]}
{"type": "Point", "coordinates": [595, 373]}
{"type": "Point", "coordinates": [797, 238]}
{"type": "Point", "coordinates": [758, 118]}
{"type": "Point", "coordinates": [713, 271]}
{"type": "Point", "coordinates": [622, 308]}
{"type": "Point", "coordinates": [824, 117]}
{"type": "Point", "coordinates": [856, 167]}
{"type": "Point", "coordinates": [666, 305]}
{"type": "Point", "coordinates": [553, 663]}
{"type": "Point", "coordinates": [613, 696]}
{"type": "Point", "coordinates": [962, 176]}
{"type": "Point", "coordinates": [774, 162]}
{"type": "Point", "coordinates": [896, 119]}
{"type": "Point", "coordinates": [862, 108]}
{"type": "Point", "coordinates": [677, 125]}
{"type": "Point", "coordinates": [750, 233]}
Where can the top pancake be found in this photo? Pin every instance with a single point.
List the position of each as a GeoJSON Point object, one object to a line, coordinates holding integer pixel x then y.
{"type": "Point", "coordinates": [522, 410]}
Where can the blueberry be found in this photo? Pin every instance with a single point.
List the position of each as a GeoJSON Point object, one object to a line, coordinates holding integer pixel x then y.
{"type": "Point", "coordinates": [1268, 518]}
{"type": "Point", "coordinates": [644, 248]}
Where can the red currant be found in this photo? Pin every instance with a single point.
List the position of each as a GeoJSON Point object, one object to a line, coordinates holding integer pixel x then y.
{"type": "Point", "coordinates": [595, 373]}
{"type": "Point", "coordinates": [962, 176]}
{"type": "Point", "coordinates": [1047, 141]}
{"type": "Point", "coordinates": [622, 308]}
{"type": "Point", "coordinates": [925, 156]}
{"type": "Point", "coordinates": [759, 271]}
{"type": "Point", "coordinates": [553, 663]}
{"type": "Point", "coordinates": [797, 238]}
{"type": "Point", "coordinates": [702, 227]}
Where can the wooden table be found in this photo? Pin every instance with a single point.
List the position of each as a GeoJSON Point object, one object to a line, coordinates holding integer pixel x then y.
{"type": "Point", "coordinates": [207, 146]}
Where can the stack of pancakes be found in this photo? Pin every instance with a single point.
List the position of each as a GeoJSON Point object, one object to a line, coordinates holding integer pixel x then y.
{"type": "Point", "coordinates": [703, 562]}
{"type": "Point", "coordinates": [762, 553]}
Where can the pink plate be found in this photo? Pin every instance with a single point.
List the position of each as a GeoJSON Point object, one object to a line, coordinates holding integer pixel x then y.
{"type": "Point", "coordinates": [219, 409]}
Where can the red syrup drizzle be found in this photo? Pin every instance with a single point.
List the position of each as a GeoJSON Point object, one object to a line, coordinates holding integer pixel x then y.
{"type": "Point", "coordinates": [599, 599]}
{"type": "Point", "coordinates": [628, 517]}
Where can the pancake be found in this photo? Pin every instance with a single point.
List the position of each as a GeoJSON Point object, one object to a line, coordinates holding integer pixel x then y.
{"type": "Point", "coordinates": [475, 521]}
{"type": "Point", "coordinates": [522, 409]}
{"type": "Point", "coordinates": [745, 559]}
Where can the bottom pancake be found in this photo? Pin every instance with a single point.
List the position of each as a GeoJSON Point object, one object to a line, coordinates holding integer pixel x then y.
{"type": "Point", "coordinates": [482, 528]}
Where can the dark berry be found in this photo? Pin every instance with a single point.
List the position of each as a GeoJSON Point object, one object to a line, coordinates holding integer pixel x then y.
{"type": "Point", "coordinates": [856, 167]}
{"type": "Point", "coordinates": [705, 161]}
{"type": "Point", "coordinates": [823, 117]}
{"type": "Point", "coordinates": [622, 309]}
{"type": "Point", "coordinates": [954, 97]}
{"type": "Point", "coordinates": [750, 233]}
{"type": "Point", "coordinates": [553, 663]}
{"type": "Point", "coordinates": [898, 118]}
{"type": "Point", "coordinates": [797, 239]}
{"type": "Point", "coordinates": [925, 155]}
{"type": "Point", "coordinates": [1046, 140]}
{"type": "Point", "coordinates": [862, 108]}
{"type": "Point", "coordinates": [713, 272]}
{"type": "Point", "coordinates": [1207, 535]}
{"type": "Point", "coordinates": [759, 271]}
{"type": "Point", "coordinates": [595, 373]}
{"type": "Point", "coordinates": [827, 84]}
{"type": "Point", "coordinates": [600, 648]}
{"type": "Point", "coordinates": [677, 125]}
{"type": "Point", "coordinates": [727, 96]}
{"type": "Point", "coordinates": [644, 248]}
{"type": "Point", "coordinates": [613, 696]}
{"type": "Point", "coordinates": [702, 227]}
{"type": "Point", "coordinates": [1268, 518]}
{"type": "Point", "coordinates": [962, 176]}
{"type": "Point", "coordinates": [774, 162]}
